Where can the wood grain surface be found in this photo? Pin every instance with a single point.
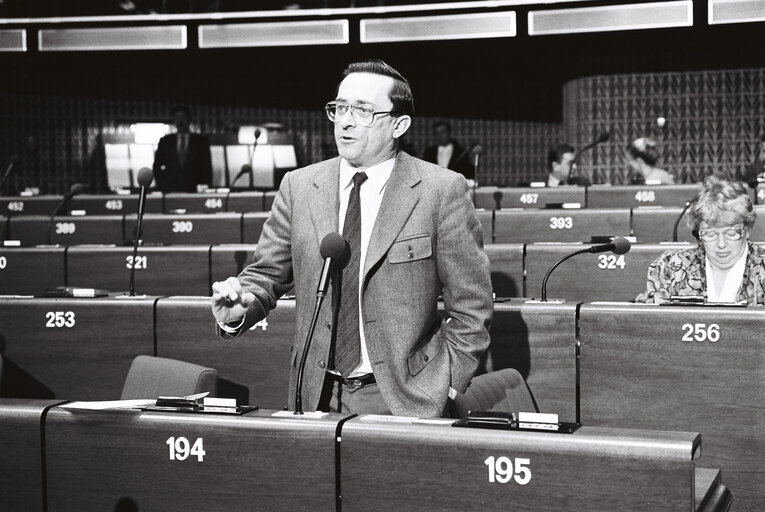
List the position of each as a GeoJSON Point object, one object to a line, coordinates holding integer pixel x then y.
{"type": "Point", "coordinates": [636, 370]}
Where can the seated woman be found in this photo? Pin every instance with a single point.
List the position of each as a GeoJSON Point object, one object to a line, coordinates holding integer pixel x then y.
{"type": "Point", "coordinates": [726, 266]}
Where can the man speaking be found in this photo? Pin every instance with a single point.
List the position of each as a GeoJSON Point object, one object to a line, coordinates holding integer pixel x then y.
{"type": "Point", "coordinates": [381, 346]}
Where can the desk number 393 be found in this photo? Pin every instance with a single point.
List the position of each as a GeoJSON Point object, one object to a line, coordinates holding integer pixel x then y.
{"type": "Point", "coordinates": [181, 448]}
{"type": "Point", "coordinates": [504, 469]}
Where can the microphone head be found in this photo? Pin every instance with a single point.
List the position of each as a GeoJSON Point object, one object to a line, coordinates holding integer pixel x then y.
{"type": "Point", "coordinates": [477, 150]}
{"type": "Point", "coordinates": [621, 245]}
{"type": "Point", "coordinates": [603, 137]}
{"type": "Point", "coordinates": [333, 246]}
{"type": "Point", "coordinates": [76, 188]}
{"type": "Point", "coordinates": [257, 133]}
{"type": "Point", "coordinates": [497, 195]}
{"type": "Point", "coordinates": [145, 177]}
{"type": "Point", "coordinates": [246, 168]}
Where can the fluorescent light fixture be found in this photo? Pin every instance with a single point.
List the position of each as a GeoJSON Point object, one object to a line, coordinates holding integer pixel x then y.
{"type": "Point", "coordinates": [609, 18]}
{"type": "Point", "coordinates": [735, 11]}
{"type": "Point", "coordinates": [149, 133]}
{"type": "Point", "coordinates": [14, 40]}
{"type": "Point", "coordinates": [172, 37]}
{"type": "Point", "coordinates": [283, 33]}
{"type": "Point", "coordinates": [432, 28]}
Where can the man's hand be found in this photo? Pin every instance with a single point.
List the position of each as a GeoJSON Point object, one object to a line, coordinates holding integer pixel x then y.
{"type": "Point", "coordinates": [229, 301]}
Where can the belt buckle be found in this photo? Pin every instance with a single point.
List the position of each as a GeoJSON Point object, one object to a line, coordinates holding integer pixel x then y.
{"type": "Point", "coordinates": [354, 384]}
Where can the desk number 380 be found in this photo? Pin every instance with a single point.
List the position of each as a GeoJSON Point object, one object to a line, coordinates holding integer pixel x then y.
{"type": "Point", "coordinates": [504, 469]}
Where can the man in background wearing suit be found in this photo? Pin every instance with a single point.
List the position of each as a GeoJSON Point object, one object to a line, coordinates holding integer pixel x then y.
{"type": "Point", "coordinates": [448, 152]}
{"type": "Point", "coordinates": [413, 235]}
{"type": "Point", "coordinates": [182, 160]}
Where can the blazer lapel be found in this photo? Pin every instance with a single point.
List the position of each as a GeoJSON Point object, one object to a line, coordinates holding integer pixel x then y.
{"type": "Point", "coordinates": [399, 200]}
{"type": "Point", "coordinates": [324, 202]}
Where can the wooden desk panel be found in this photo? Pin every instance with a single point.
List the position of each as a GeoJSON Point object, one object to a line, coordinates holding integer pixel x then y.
{"type": "Point", "coordinates": [252, 225]}
{"type": "Point", "coordinates": [31, 270]}
{"type": "Point", "coordinates": [654, 224]}
{"type": "Point", "coordinates": [244, 202]}
{"type": "Point", "coordinates": [506, 262]}
{"type": "Point", "coordinates": [642, 366]}
{"type": "Point", "coordinates": [229, 260]}
{"type": "Point", "coordinates": [538, 340]}
{"type": "Point", "coordinates": [73, 348]}
{"type": "Point", "coordinates": [175, 270]}
{"type": "Point", "coordinates": [97, 459]}
{"type": "Point", "coordinates": [115, 204]}
{"type": "Point", "coordinates": [188, 229]}
{"type": "Point", "coordinates": [197, 202]}
{"type": "Point", "coordinates": [556, 225]}
{"type": "Point", "coordinates": [614, 196]}
{"type": "Point", "coordinates": [253, 368]}
{"type": "Point", "coordinates": [67, 230]}
{"type": "Point", "coordinates": [590, 277]}
{"type": "Point", "coordinates": [21, 479]}
{"type": "Point", "coordinates": [389, 465]}
{"type": "Point", "coordinates": [37, 205]}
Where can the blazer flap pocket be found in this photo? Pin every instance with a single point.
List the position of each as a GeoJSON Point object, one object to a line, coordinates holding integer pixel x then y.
{"type": "Point", "coordinates": [410, 249]}
{"type": "Point", "coordinates": [420, 358]}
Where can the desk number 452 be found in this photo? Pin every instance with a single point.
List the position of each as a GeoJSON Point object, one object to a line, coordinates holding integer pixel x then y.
{"type": "Point", "coordinates": [504, 469]}
{"type": "Point", "coordinates": [181, 448]}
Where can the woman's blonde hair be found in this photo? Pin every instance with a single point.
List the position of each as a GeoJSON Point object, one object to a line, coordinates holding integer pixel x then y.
{"type": "Point", "coordinates": [722, 203]}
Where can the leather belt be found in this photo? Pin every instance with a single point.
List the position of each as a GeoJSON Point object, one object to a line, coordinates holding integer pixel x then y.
{"type": "Point", "coordinates": [355, 382]}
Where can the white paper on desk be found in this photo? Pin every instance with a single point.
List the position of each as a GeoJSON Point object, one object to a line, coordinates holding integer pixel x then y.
{"type": "Point", "coordinates": [111, 404]}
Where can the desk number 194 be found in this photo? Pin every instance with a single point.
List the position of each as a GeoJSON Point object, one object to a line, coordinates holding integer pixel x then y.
{"type": "Point", "coordinates": [504, 469]}
{"type": "Point", "coordinates": [180, 448]}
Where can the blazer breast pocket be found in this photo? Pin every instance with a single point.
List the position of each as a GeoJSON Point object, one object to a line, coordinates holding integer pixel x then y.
{"type": "Point", "coordinates": [411, 248]}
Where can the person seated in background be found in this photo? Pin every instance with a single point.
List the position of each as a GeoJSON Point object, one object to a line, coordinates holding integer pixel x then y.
{"type": "Point", "coordinates": [642, 157]}
{"type": "Point", "coordinates": [725, 266]}
{"type": "Point", "coordinates": [755, 170]}
{"type": "Point", "coordinates": [182, 160]}
{"type": "Point", "coordinates": [560, 162]}
{"type": "Point", "coordinates": [448, 152]}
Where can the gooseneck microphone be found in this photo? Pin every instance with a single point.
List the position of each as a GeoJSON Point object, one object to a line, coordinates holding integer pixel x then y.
{"type": "Point", "coordinates": [246, 169]}
{"type": "Point", "coordinates": [498, 206]}
{"type": "Point", "coordinates": [618, 245]}
{"type": "Point", "coordinates": [603, 137]}
{"type": "Point", "coordinates": [677, 221]}
{"type": "Point", "coordinates": [13, 161]}
{"type": "Point", "coordinates": [73, 191]}
{"type": "Point", "coordinates": [145, 177]}
{"type": "Point", "coordinates": [332, 249]}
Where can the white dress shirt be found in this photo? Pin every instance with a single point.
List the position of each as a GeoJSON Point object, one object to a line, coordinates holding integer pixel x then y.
{"type": "Point", "coordinates": [445, 154]}
{"type": "Point", "coordinates": [732, 283]}
{"type": "Point", "coordinates": [370, 196]}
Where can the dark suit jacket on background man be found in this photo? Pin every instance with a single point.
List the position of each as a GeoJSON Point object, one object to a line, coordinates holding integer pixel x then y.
{"type": "Point", "coordinates": [172, 173]}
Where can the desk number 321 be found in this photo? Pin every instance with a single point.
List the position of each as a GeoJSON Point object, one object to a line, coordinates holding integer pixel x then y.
{"type": "Point", "coordinates": [181, 448]}
{"type": "Point", "coordinates": [504, 469]}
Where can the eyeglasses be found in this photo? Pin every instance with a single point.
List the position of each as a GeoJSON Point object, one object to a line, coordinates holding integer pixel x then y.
{"type": "Point", "coordinates": [363, 115]}
{"type": "Point", "coordinates": [731, 234]}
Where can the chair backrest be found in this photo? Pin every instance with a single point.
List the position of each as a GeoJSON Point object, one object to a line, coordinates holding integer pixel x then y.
{"type": "Point", "coordinates": [150, 377]}
{"type": "Point", "coordinates": [503, 390]}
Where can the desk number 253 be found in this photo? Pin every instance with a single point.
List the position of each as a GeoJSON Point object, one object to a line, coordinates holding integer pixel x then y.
{"type": "Point", "coordinates": [504, 469]}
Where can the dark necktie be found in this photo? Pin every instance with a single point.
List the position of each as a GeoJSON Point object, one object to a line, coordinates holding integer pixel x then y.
{"type": "Point", "coordinates": [348, 343]}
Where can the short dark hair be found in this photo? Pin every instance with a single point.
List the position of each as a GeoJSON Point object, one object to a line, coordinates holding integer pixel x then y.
{"type": "Point", "coordinates": [445, 124]}
{"type": "Point", "coordinates": [556, 152]}
{"type": "Point", "coordinates": [644, 149]}
{"type": "Point", "coordinates": [400, 94]}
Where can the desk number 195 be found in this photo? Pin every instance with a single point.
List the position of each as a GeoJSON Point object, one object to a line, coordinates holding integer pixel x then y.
{"type": "Point", "coordinates": [180, 448]}
{"type": "Point", "coordinates": [504, 469]}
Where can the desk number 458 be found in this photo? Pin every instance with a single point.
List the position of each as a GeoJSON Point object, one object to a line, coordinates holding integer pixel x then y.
{"type": "Point", "coordinates": [504, 469]}
{"type": "Point", "coordinates": [181, 448]}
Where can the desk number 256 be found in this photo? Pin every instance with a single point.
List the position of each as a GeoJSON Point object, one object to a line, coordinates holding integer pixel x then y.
{"type": "Point", "coordinates": [504, 469]}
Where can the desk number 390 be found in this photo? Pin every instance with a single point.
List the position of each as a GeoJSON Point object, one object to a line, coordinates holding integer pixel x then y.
{"type": "Point", "coordinates": [503, 469]}
{"type": "Point", "coordinates": [180, 448]}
